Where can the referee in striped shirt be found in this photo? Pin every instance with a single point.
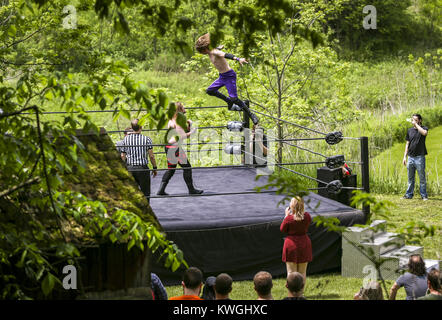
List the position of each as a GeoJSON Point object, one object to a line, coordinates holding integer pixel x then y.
{"type": "Point", "coordinates": [136, 147]}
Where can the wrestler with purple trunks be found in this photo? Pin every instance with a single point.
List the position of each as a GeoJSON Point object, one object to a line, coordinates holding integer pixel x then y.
{"type": "Point", "coordinates": [227, 76]}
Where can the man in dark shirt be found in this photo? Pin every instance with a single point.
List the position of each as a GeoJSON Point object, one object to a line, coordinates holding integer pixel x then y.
{"type": "Point", "coordinates": [434, 286]}
{"type": "Point", "coordinates": [416, 151]}
{"type": "Point", "coordinates": [137, 147]}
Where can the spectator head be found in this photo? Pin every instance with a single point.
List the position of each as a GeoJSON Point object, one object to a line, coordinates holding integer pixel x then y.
{"type": "Point", "coordinates": [416, 265]}
{"type": "Point", "coordinates": [434, 281]}
{"type": "Point", "coordinates": [127, 130]}
{"type": "Point", "coordinates": [257, 128]}
{"type": "Point", "coordinates": [208, 289]}
{"type": "Point", "coordinates": [193, 279]}
{"type": "Point", "coordinates": [135, 126]}
{"type": "Point", "coordinates": [418, 116]}
{"type": "Point", "coordinates": [295, 283]}
{"type": "Point", "coordinates": [263, 284]}
{"type": "Point", "coordinates": [223, 285]}
{"type": "Point", "coordinates": [203, 43]}
{"type": "Point", "coordinates": [372, 291]}
{"type": "Point", "coordinates": [297, 207]}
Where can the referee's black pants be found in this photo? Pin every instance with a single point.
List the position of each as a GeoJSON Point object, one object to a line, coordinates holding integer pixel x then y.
{"type": "Point", "coordinates": [142, 177]}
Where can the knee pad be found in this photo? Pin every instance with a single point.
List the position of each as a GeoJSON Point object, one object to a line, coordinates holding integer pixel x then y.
{"type": "Point", "coordinates": [210, 92]}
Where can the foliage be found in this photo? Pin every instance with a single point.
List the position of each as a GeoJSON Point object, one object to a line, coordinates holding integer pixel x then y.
{"type": "Point", "coordinates": [35, 208]}
{"type": "Point", "coordinates": [398, 28]}
{"type": "Point", "coordinates": [288, 185]}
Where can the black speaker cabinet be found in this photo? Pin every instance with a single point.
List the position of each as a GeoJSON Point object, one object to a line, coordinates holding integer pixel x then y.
{"type": "Point", "coordinates": [327, 175]}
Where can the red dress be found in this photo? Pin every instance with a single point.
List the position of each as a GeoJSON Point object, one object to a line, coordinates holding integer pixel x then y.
{"type": "Point", "coordinates": [297, 245]}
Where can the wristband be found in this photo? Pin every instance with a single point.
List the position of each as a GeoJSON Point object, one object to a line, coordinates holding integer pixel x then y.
{"type": "Point", "coordinates": [229, 56]}
{"type": "Point", "coordinates": [155, 168]}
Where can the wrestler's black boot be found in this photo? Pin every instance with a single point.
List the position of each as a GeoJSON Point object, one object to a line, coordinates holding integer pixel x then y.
{"type": "Point", "coordinates": [189, 182]}
{"type": "Point", "coordinates": [164, 182]}
{"type": "Point", "coordinates": [252, 116]}
{"type": "Point", "coordinates": [216, 93]}
{"type": "Point", "coordinates": [162, 190]}
{"type": "Point", "coordinates": [245, 106]}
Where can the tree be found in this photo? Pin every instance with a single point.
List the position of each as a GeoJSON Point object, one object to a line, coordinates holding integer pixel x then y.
{"type": "Point", "coordinates": [290, 78]}
{"type": "Point", "coordinates": [36, 72]}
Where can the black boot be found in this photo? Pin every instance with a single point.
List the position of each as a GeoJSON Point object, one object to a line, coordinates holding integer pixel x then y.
{"type": "Point", "coordinates": [195, 191]}
{"type": "Point", "coordinates": [192, 189]}
{"type": "Point", "coordinates": [187, 173]}
{"type": "Point", "coordinates": [252, 116]}
{"type": "Point", "coordinates": [216, 93]}
{"type": "Point", "coordinates": [162, 190]}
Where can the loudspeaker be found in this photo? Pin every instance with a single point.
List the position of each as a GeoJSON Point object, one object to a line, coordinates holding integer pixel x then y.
{"type": "Point", "coordinates": [326, 174]}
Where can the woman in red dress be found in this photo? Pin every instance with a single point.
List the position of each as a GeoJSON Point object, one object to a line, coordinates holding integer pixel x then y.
{"type": "Point", "coordinates": [297, 251]}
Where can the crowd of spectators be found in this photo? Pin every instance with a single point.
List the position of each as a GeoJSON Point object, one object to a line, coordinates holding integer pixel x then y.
{"type": "Point", "coordinates": [220, 287]}
{"type": "Point", "coordinates": [297, 253]}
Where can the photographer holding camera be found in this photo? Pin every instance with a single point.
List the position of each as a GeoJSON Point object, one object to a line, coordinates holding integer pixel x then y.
{"type": "Point", "coordinates": [416, 151]}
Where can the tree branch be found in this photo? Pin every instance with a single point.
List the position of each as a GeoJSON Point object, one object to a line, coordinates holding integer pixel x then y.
{"type": "Point", "coordinates": [24, 39]}
{"type": "Point", "coordinates": [32, 64]}
{"type": "Point", "coordinates": [21, 185]}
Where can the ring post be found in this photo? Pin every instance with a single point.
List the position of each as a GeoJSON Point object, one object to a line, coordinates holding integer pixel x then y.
{"type": "Point", "coordinates": [246, 158]}
{"type": "Point", "coordinates": [365, 171]}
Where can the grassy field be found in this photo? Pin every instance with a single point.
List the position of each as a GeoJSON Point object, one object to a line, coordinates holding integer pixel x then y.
{"type": "Point", "coordinates": [331, 286]}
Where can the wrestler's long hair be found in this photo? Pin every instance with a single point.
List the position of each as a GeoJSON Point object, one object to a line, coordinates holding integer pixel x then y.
{"type": "Point", "coordinates": [297, 207]}
{"type": "Point", "coordinates": [203, 43]}
{"type": "Point", "coordinates": [179, 108]}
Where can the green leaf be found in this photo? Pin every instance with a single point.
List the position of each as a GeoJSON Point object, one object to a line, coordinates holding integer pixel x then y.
{"type": "Point", "coordinates": [103, 103]}
{"type": "Point", "coordinates": [176, 264]}
{"type": "Point", "coordinates": [163, 99]}
{"type": "Point", "coordinates": [161, 123]}
{"type": "Point", "coordinates": [125, 113]}
{"type": "Point", "coordinates": [152, 241]}
{"type": "Point", "coordinates": [113, 237]}
{"type": "Point", "coordinates": [130, 244]}
{"type": "Point", "coordinates": [107, 230]}
{"type": "Point", "coordinates": [48, 283]}
{"type": "Point", "coordinates": [181, 120]}
{"type": "Point", "coordinates": [12, 30]}
{"type": "Point", "coordinates": [171, 111]}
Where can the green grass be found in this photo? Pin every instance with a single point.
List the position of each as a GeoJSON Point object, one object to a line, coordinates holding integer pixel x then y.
{"type": "Point", "coordinates": [428, 212]}
{"type": "Point", "coordinates": [389, 175]}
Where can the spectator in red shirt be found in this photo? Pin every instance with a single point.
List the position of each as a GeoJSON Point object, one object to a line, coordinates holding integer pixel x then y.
{"type": "Point", "coordinates": [192, 283]}
{"type": "Point", "coordinates": [297, 250]}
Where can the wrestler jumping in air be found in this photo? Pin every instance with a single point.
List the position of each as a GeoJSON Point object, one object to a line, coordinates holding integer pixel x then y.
{"type": "Point", "coordinates": [176, 155]}
{"type": "Point", "coordinates": [227, 76]}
